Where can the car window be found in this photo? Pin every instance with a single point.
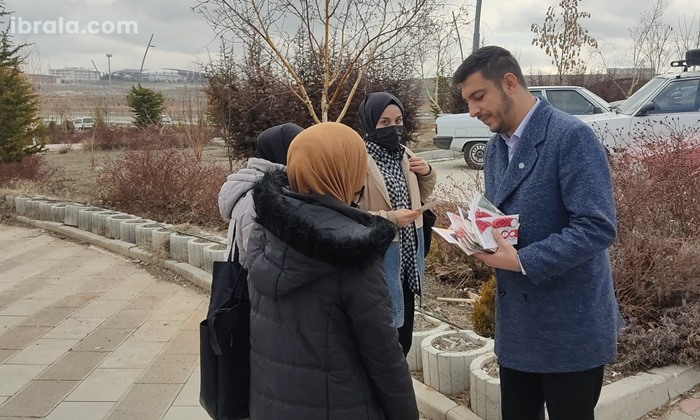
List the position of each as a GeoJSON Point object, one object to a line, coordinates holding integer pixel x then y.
{"type": "Point", "coordinates": [678, 96]}
{"type": "Point", "coordinates": [570, 101]}
{"type": "Point", "coordinates": [537, 93]}
{"type": "Point", "coordinates": [636, 100]}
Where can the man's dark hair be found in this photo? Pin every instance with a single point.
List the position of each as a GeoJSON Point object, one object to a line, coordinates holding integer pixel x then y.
{"type": "Point", "coordinates": [493, 63]}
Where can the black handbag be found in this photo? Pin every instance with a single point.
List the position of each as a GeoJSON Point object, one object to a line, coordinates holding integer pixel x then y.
{"type": "Point", "coordinates": [429, 219]}
{"type": "Point", "coordinates": [224, 343]}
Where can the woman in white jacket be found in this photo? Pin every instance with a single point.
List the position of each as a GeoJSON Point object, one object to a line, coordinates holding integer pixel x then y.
{"type": "Point", "coordinates": [235, 197]}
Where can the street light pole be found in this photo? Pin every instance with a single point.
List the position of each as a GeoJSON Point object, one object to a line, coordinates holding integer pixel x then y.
{"type": "Point", "coordinates": [477, 24]}
{"type": "Point", "coordinates": [144, 56]}
{"type": "Point", "coordinates": [109, 69]}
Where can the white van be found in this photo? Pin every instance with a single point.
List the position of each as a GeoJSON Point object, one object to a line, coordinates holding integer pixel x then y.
{"type": "Point", "coordinates": [83, 123]}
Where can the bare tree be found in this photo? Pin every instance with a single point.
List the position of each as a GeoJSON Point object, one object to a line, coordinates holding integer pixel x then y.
{"type": "Point", "coordinates": [651, 41]}
{"type": "Point", "coordinates": [437, 56]}
{"type": "Point", "coordinates": [198, 131]}
{"type": "Point", "coordinates": [562, 37]}
{"type": "Point", "coordinates": [361, 31]}
{"type": "Point", "coordinates": [686, 36]}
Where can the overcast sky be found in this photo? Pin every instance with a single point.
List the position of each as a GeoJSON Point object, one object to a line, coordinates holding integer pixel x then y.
{"type": "Point", "coordinates": [182, 37]}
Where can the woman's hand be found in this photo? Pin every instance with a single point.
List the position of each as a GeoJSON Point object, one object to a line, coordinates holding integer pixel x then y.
{"type": "Point", "coordinates": [419, 165]}
{"type": "Point", "coordinates": [405, 217]}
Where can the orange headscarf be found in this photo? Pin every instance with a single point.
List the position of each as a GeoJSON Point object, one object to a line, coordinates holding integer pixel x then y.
{"type": "Point", "coordinates": [328, 158]}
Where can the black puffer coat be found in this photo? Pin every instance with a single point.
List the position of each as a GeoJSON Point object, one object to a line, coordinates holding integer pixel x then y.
{"type": "Point", "coordinates": [322, 341]}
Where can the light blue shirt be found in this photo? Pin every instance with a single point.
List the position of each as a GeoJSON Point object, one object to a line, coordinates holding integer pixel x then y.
{"type": "Point", "coordinates": [512, 141]}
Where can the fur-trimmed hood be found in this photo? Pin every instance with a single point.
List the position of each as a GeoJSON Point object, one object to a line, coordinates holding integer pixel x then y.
{"type": "Point", "coordinates": [322, 232]}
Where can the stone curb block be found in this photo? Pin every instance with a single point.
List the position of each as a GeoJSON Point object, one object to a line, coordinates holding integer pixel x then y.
{"type": "Point", "coordinates": [113, 224]}
{"type": "Point", "coordinates": [214, 252]}
{"type": "Point", "coordinates": [99, 221]}
{"type": "Point", "coordinates": [436, 406]}
{"type": "Point", "coordinates": [127, 229]}
{"type": "Point", "coordinates": [178, 246]}
{"type": "Point", "coordinates": [160, 239]}
{"type": "Point", "coordinates": [144, 233]}
{"type": "Point", "coordinates": [448, 371]}
{"type": "Point", "coordinates": [21, 205]}
{"type": "Point", "coordinates": [196, 276]}
{"type": "Point", "coordinates": [485, 390]}
{"type": "Point", "coordinates": [10, 201]}
{"type": "Point", "coordinates": [637, 395]}
{"type": "Point", "coordinates": [72, 213]}
{"type": "Point", "coordinates": [195, 251]}
{"type": "Point", "coordinates": [85, 218]}
{"type": "Point", "coordinates": [415, 354]}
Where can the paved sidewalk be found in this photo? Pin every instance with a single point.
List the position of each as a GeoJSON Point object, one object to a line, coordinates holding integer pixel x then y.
{"type": "Point", "coordinates": [85, 334]}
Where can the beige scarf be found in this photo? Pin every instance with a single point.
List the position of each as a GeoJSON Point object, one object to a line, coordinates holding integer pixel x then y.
{"type": "Point", "coordinates": [329, 159]}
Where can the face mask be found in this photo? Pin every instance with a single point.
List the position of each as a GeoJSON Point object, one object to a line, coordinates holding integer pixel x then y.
{"type": "Point", "coordinates": [389, 137]}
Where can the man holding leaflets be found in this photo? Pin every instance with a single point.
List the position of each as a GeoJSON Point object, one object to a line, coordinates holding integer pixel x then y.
{"type": "Point", "coordinates": [557, 317]}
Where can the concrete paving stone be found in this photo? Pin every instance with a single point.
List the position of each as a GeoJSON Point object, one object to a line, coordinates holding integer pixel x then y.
{"type": "Point", "coordinates": [27, 307]}
{"type": "Point", "coordinates": [73, 327]}
{"type": "Point", "coordinates": [27, 270]}
{"type": "Point", "coordinates": [145, 401]}
{"type": "Point", "coordinates": [133, 355]}
{"type": "Point", "coordinates": [50, 291]}
{"type": "Point", "coordinates": [6, 354]}
{"type": "Point", "coordinates": [690, 405]}
{"type": "Point", "coordinates": [18, 337]}
{"type": "Point", "coordinates": [103, 339]}
{"type": "Point", "coordinates": [177, 307]}
{"type": "Point", "coordinates": [198, 315]}
{"type": "Point", "coordinates": [189, 394]}
{"type": "Point", "coordinates": [3, 399]}
{"type": "Point", "coordinates": [75, 300]}
{"type": "Point", "coordinates": [9, 321]}
{"type": "Point", "coordinates": [163, 287]}
{"type": "Point", "coordinates": [98, 284]}
{"type": "Point", "coordinates": [37, 399]}
{"type": "Point", "coordinates": [184, 342]}
{"type": "Point", "coordinates": [186, 413]}
{"type": "Point", "coordinates": [679, 415]}
{"type": "Point", "coordinates": [100, 308]}
{"type": "Point", "coordinates": [99, 265]}
{"type": "Point", "coordinates": [156, 330]}
{"type": "Point", "coordinates": [48, 317]}
{"type": "Point", "coordinates": [26, 245]}
{"type": "Point", "coordinates": [105, 385]}
{"type": "Point", "coordinates": [62, 273]}
{"type": "Point", "coordinates": [146, 300]}
{"type": "Point", "coordinates": [23, 287]}
{"type": "Point", "coordinates": [6, 300]}
{"type": "Point", "coordinates": [43, 351]}
{"type": "Point", "coordinates": [80, 411]}
{"type": "Point", "coordinates": [123, 291]}
{"type": "Point", "coordinates": [127, 319]}
{"type": "Point", "coordinates": [8, 265]}
{"type": "Point", "coordinates": [169, 369]}
{"type": "Point", "coordinates": [73, 366]}
{"type": "Point", "coordinates": [14, 377]}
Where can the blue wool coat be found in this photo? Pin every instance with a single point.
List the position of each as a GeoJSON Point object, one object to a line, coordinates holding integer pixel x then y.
{"type": "Point", "coordinates": [563, 315]}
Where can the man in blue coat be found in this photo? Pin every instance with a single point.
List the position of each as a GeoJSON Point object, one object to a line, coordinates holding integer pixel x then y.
{"type": "Point", "coordinates": [557, 317]}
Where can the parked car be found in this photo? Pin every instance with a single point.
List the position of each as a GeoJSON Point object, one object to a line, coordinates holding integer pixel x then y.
{"type": "Point", "coordinates": [667, 105]}
{"type": "Point", "coordinates": [83, 123]}
{"type": "Point", "coordinates": [462, 133]}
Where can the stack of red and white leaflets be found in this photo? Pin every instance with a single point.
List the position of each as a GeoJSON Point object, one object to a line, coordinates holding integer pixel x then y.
{"type": "Point", "coordinates": [472, 229]}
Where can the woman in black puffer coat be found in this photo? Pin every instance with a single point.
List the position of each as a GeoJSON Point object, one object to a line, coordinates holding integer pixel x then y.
{"type": "Point", "coordinates": [323, 345]}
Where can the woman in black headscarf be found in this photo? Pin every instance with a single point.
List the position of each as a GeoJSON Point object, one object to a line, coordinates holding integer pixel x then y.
{"type": "Point", "coordinates": [235, 200]}
{"type": "Point", "coordinates": [397, 182]}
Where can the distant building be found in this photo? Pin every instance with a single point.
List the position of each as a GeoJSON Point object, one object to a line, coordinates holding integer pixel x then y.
{"type": "Point", "coordinates": [42, 79]}
{"type": "Point", "coordinates": [162, 75]}
{"type": "Point", "coordinates": [75, 74]}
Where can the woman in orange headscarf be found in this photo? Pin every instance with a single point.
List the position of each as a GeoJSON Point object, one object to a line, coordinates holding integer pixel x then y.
{"type": "Point", "coordinates": [323, 345]}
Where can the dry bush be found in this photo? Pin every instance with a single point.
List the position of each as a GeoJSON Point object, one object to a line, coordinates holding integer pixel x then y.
{"type": "Point", "coordinates": [656, 258]}
{"type": "Point", "coordinates": [32, 168]}
{"type": "Point", "coordinates": [483, 316]}
{"type": "Point", "coordinates": [447, 262]}
{"type": "Point", "coordinates": [167, 185]}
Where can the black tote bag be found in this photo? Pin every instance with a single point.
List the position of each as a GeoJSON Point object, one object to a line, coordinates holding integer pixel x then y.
{"type": "Point", "coordinates": [429, 219]}
{"type": "Point", "coordinates": [224, 342]}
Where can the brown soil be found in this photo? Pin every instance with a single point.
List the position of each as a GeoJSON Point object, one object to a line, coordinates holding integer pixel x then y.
{"type": "Point", "coordinates": [420, 323]}
{"type": "Point", "coordinates": [492, 370]}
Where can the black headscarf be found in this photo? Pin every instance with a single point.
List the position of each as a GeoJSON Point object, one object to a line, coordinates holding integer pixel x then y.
{"type": "Point", "coordinates": [274, 142]}
{"type": "Point", "coordinates": [372, 108]}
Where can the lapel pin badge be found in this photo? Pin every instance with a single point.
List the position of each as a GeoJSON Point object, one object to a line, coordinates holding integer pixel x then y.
{"type": "Point", "coordinates": [521, 165]}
